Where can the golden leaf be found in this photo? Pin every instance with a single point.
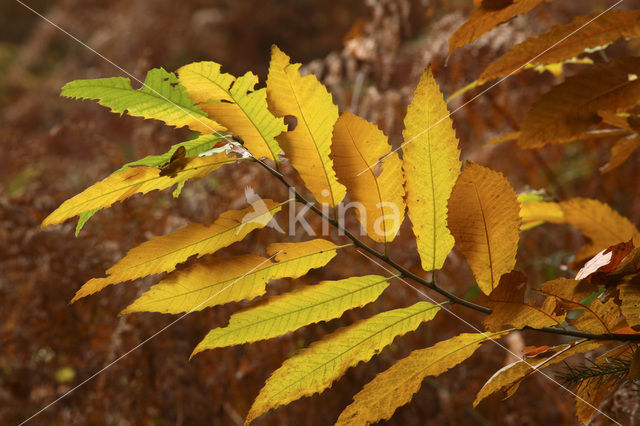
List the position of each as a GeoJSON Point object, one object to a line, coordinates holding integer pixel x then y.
{"type": "Point", "coordinates": [315, 368]}
{"type": "Point", "coordinates": [239, 108]}
{"type": "Point", "coordinates": [231, 279]}
{"type": "Point", "coordinates": [162, 254]}
{"type": "Point", "coordinates": [431, 162]}
{"type": "Point", "coordinates": [290, 311]}
{"type": "Point", "coordinates": [598, 317]}
{"type": "Point", "coordinates": [393, 388]}
{"type": "Point", "coordinates": [598, 222]}
{"type": "Point", "coordinates": [308, 145]}
{"type": "Point", "coordinates": [123, 184]}
{"type": "Point", "coordinates": [484, 219]}
{"type": "Point", "coordinates": [357, 148]}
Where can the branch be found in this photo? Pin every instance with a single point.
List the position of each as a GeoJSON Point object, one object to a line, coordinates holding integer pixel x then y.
{"type": "Point", "coordinates": [430, 284]}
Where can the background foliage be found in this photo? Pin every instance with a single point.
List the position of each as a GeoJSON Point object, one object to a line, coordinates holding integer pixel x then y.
{"type": "Point", "coordinates": [53, 149]}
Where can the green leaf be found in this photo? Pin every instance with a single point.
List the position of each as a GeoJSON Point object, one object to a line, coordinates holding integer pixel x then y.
{"type": "Point", "coordinates": [161, 97]}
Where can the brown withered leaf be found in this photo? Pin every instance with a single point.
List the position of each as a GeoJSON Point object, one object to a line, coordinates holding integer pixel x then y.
{"type": "Point", "coordinates": [620, 152]}
{"type": "Point", "coordinates": [604, 262]}
{"type": "Point", "coordinates": [507, 302]}
{"type": "Point", "coordinates": [564, 42]}
{"type": "Point", "coordinates": [571, 108]}
{"type": "Point", "coordinates": [484, 19]}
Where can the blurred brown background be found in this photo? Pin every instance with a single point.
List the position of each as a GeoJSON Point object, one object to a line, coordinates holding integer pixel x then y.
{"type": "Point", "coordinates": [370, 54]}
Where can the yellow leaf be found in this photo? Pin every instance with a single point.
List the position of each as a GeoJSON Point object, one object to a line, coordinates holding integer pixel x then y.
{"type": "Point", "coordinates": [231, 279]}
{"type": "Point", "coordinates": [121, 185]}
{"type": "Point", "coordinates": [564, 42]}
{"type": "Point", "coordinates": [537, 212]}
{"type": "Point", "coordinates": [598, 222]}
{"type": "Point", "coordinates": [509, 377]}
{"type": "Point", "coordinates": [484, 19]}
{"type": "Point", "coordinates": [602, 225]}
{"type": "Point", "coordinates": [288, 312]}
{"type": "Point", "coordinates": [484, 219]}
{"type": "Point", "coordinates": [568, 110]}
{"type": "Point", "coordinates": [308, 145]}
{"type": "Point", "coordinates": [244, 111]}
{"type": "Point", "coordinates": [357, 148]}
{"type": "Point", "coordinates": [507, 301]}
{"type": "Point", "coordinates": [620, 152]}
{"type": "Point", "coordinates": [315, 368]}
{"type": "Point", "coordinates": [598, 317]}
{"type": "Point", "coordinates": [395, 387]}
{"type": "Point", "coordinates": [431, 162]}
{"type": "Point", "coordinates": [630, 297]}
{"type": "Point", "coordinates": [162, 254]}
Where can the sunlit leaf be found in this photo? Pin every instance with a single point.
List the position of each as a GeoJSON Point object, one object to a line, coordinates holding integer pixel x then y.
{"type": "Point", "coordinates": [122, 185]}
{"type": "Point", "coordinates": [395, 387]}
{"type": "Point", "coordinates": [288, 312]}
{"type": "Point", "coordinates": [357, 148]}
{"type": "Point", "coordinates": [232, 279]}
{"type": "Point", "coordinates": [484, 219]}
{"type": "Point", "coordinates": [315, 368]}
{"type": "Point", "coordinates": [197, 146]}
{"type": "Point", "coordinates": [162, 97]}
{"type": "Point", "coordinates": [308, 145]}
{"type": "Point", "coordinates": [431, 162]}
{"type": "Point", "coordinates": [162, 254]}
{"type": "Point", "coordinates": [239, 108]}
